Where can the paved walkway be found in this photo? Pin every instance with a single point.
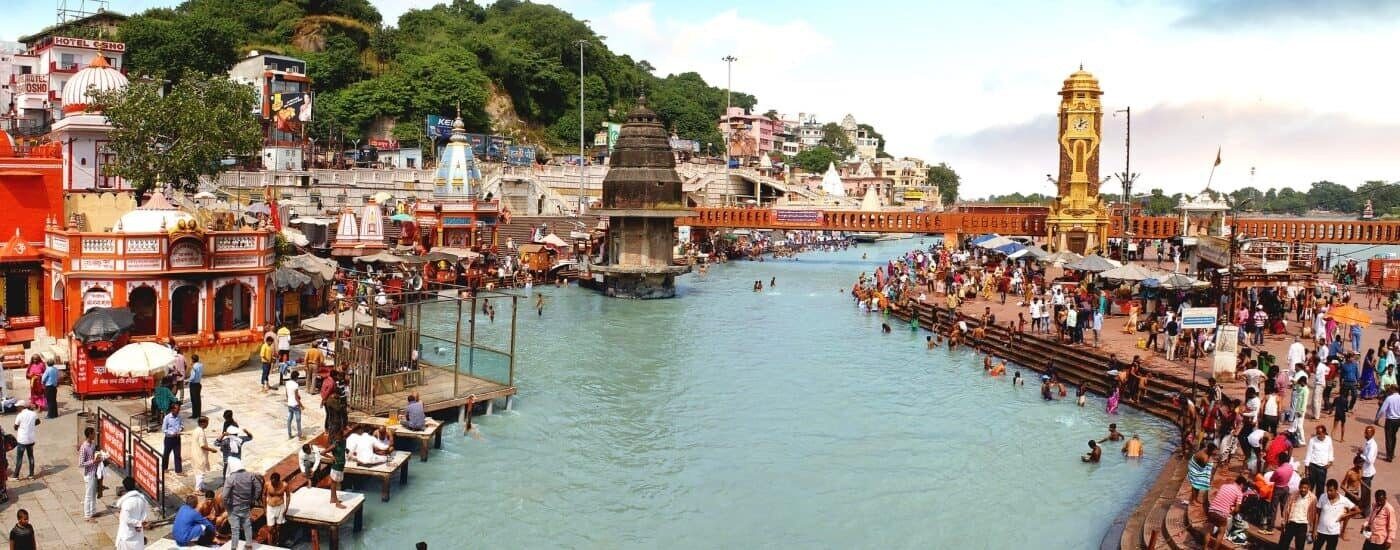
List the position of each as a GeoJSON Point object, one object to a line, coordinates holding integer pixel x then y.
{"type": "Point", "coordinates": [54, 496]}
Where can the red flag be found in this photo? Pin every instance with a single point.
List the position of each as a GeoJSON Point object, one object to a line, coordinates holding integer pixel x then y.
{"type": "Point", "coordinates": [1217, 156]}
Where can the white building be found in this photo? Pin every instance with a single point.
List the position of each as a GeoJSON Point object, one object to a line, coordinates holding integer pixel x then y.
{"type": "Point", "coordinates": [278, 80]}
{"type": "Point", "coordinates": [84, 133]}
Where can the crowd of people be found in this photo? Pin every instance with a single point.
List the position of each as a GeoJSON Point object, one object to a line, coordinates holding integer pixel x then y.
{"type": "Point", "coordinates": [1256, 432]}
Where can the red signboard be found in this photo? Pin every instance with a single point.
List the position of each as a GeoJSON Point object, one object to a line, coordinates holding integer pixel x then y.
{"type": "Point", "coordinates": [90, 377]}
{"type": "Point", "coordinates": [145, 467]}
{"type": "Point", "coordinates": [112, 439]}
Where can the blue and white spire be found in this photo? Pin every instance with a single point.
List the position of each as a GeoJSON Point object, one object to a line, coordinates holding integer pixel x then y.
{"type": "Point", "coordinates": [457, 174]}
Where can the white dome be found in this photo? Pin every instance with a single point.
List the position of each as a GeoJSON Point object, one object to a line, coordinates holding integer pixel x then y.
{"type": "Point", "coordinates": [98, 77]}
{"type": "Point", "coordinates": [154, 216]}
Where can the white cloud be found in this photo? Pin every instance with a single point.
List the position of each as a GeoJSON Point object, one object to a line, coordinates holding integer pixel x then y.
{"type": "Point", "coordinates": [772, 56]}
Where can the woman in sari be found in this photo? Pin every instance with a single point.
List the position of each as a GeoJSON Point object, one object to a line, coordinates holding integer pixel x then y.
{"type": "Point", "coordinates": [1370, 380]}
{"type": "Point", "coordinates": [1112, 407]}
{"type": "Point", "coordinates": [35, 375]}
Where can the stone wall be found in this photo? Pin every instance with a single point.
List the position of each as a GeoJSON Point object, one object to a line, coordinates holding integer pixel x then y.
{"type": "Point", "coordinates": [101, 209]}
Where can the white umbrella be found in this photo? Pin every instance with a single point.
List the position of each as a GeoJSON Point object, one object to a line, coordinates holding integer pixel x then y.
{"type": "Point", "coordinates": [140, 359]}
{"type": "Point", "coordinates": [382, 197]}
{"type": "Point", "coordinates": [292, 203]}
{"type": "Point", "coordinates": [295, 237]}
{"type": "Point", "coordinates": [1130, 272]}
{"type": "Point", "coordinates": [205, 195]}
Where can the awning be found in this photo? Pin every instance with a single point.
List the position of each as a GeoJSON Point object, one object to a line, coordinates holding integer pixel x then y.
{"type": "Point", "coordinates": [286, 279]}
{"type": "Point", "coordinates": [980, 238]}
{"type": "Point", "coordinates": [1130, 272]}
{"type": "Point", "coordinates": [1093, 263]}
{"type": "Point", "coordinates": [331, 322]}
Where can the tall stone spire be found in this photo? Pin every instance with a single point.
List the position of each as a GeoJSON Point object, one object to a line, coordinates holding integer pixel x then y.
{"type": "Point", "coordinates": [642, 198]}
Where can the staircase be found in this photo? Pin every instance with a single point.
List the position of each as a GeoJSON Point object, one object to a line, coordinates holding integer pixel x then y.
{"type": "Point", "coordinates": [1158, 513]}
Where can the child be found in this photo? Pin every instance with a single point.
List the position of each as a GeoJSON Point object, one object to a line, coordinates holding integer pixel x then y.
{"type": "Point", "coordinates": [1081, 394]}
{"type": "Point", "coordinates": [337, 459]}
{"type": "Point", "coordinates": [1339, 415]}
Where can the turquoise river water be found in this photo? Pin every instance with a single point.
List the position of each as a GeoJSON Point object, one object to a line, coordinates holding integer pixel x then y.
{"type": "Point", "coordinates": [727, 418]}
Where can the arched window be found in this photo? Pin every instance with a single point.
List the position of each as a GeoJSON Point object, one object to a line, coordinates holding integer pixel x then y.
{"type": "Point", "coordinates": [233, 307]}
{"type": "Point", "coordinates": [184, 311]}
{"type": "Point", "coordinates": [142, 303]}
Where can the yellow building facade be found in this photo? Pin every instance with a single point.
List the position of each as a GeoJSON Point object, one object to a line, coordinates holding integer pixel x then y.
{"type": "Point", "coordinates": [1079, 219]}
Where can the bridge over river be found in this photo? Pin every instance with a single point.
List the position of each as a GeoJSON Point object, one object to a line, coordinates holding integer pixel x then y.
{"type": "Point", "coordinates": [955, 223]}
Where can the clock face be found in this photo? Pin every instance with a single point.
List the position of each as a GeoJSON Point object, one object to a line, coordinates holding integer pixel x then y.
{"type": "Point", "coordinates": [1081, 123]}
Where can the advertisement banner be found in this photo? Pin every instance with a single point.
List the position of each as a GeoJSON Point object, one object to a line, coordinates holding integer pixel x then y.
{"type": "Point", "coordinates": [495, 147]}
{"type": "Point", "coordinates": [798, 216]}
{"type": "Point", "coordinates": [112, 438]}
{"type": "Point", "coordinates": [289, 110]}
{"type": "Point", "coordinates": [613, 130]}
{"type": "Point", "coordinates": [520, 155]}
{"type": "Point", "coordinates": [1227, 348]}
{"type": "Point", "coordinates": [439, 127]}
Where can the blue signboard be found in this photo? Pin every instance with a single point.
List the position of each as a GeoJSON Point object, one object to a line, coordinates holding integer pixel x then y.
{"type": "Point", "coordinates": [519, 155]}
{"type": "Point", "coordinates": [1198, 317]}
{"type": "Point", "coordinates": [439, 127]}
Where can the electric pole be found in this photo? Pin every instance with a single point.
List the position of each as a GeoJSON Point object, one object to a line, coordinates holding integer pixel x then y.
{"type": "Point", "coordinates": [582, 162]}
{"type": "Point", "coordinates": [728, 126]}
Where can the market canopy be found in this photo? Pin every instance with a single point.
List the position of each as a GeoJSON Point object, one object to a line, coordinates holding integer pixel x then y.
{"type": "Point", "coordinates": [1034, 252]}
{"type": "Point", "coordinates": [1093, 263]}
{"type": "Point", "coordinates": [1063, 257]}
{"type": "Point", "coordinates": [1010, 248]}
{"type": "Point", "coordinates": [1130, 272]}
{"type": "Point", "coordinates": [285, 279]}
{"type": "Point", "coordinates": [332, 322]}
{"type": "Point", "coordinates": [458, 253]}
{"type": "Point", "coordinates": [554, 241]}
{"type": "Point", "coordinates": [995, 242]}
{"type": "Point", "coordinates": [379, 257]}
{"type": "Point", "coordinates": [316, 266]}
{"type": "Point", "coordinates": [1175, 281]}
{"type": "Point", "coordinates": [980, 238]}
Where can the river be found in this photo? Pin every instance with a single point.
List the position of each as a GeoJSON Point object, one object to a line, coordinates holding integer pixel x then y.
{"type": "Point", "coordinates": [729, 418]}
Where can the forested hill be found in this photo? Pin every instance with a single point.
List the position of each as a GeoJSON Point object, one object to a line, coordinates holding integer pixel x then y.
{"type": "Point", "coordinates": [510, 59]}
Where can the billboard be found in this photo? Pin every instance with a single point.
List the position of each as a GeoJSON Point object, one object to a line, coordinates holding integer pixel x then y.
{"type": "Point", "coordinates": [439, 127]}
{"type": "Point", "coordinates": [289, 110]}
{"type": "Point", "coordinates": [520, 155]}
{"type": "Point", "coordinates": [613, 130]}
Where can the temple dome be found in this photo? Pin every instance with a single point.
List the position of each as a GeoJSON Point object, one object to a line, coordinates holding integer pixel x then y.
{"type": "Point", "coordinates": [96, 77]}
{"type": "Point", "coordinates": [154, 216]}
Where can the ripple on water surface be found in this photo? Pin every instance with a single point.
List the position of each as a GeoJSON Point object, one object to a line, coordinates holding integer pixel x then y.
{"type": "Point", "coordinates": [730, 418]}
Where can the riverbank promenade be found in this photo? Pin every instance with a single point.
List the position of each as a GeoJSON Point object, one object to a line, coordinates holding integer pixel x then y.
{"type": "Point", "coordinates": [1112, 340]}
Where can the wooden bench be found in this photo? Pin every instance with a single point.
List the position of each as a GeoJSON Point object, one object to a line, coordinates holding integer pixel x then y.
{"type": "Point", "coordinates": [430, 434]}
{"type": "Point", "coordinates": [311, 506]}
{"type": "Point", "coordinates": [398, 462]}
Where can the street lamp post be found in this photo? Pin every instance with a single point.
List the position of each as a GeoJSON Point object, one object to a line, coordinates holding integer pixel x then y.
{"type": "Point", "coordinates": [1234, 249]}
{"type": "Point", "coordinates": [582, 163]}
{"type": "Point", "coordinates": [1127, 177]}
{"type": "Point", "coordinates": [728, 125]}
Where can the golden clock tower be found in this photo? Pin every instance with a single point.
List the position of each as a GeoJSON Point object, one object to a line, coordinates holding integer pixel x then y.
{"type": "Point", "coordinates": [1078, 218]}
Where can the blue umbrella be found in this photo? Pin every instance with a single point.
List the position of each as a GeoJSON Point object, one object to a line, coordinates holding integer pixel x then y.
{"type": "Point", "coordinates": [981, 238]}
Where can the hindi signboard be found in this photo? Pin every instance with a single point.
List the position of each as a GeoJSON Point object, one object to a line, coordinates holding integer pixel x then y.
{"type": "Point", "coordinates": [1227, 348]}
{"type": "Point", "coordinates": [1198, 317]}
{"type": "Point", "coordinates": [145, 467]}
{"type": "Point", "coordinates": [112, 438]}
{"type": "Point", "coordinates": [798, 216]}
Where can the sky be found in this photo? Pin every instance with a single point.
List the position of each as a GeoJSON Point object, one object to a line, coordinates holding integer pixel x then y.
{"type": "Point", "coordinates": [1289, 91]}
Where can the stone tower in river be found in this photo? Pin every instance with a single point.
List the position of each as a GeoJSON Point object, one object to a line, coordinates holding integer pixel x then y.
{"type": "Point", "coordinates": [642, 199]}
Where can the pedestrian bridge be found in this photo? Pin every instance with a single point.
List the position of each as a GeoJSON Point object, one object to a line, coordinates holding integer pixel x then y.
{"type": "Point", "coordinates": [954, 223]}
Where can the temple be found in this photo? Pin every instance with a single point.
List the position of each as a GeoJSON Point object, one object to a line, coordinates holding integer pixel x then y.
{"type": "Point", "coordinates": [642, 199]}
{"type": "Point", "coordinates": [457, 216]}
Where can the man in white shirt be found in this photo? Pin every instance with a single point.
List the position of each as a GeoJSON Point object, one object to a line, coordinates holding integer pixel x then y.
{"type": "Point", "coordinates": [26, 423]}
{"type": "Point", "coordinates": [131, 523]}
{"type": "Point", "coordinates": [363, 446]}
{"type": "Point", "coordinates": [1296, 353]}
{"type": "Point", "coordinates": [293, 404]}
{"type": "Point", "coordinates": [1319, 456]}
{"type": "Point", "coordinates": [1369, 450]}
{"type": "Point", "coordinates": [1332, 510]}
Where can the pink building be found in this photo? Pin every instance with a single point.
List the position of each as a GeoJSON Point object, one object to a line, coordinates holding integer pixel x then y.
{"type": "Point", "coordinates": [752, 135]}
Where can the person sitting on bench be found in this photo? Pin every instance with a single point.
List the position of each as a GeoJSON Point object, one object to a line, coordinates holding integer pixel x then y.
{"type": "Point", "coordinates": [414, 418]}
{"type": "Point", "coordinates": [365, 449]}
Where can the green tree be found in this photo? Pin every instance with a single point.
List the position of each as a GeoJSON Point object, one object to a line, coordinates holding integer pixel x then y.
{"type": "Point", "coordinates": [165, 44]}
{"type": "Point", "coordinates": [815, 159]}
{"type": "Point", "coordinates": [1383, 196]}
{"type": "Point", "coordinates": [335, 67]}
{"type": "Point", "coordinates": [1331, 196]}
{"type": "Point", "coordinates": [182, 135]}
{"type": "Point", "coordinates": [947, 181]}
{"type": "Point", "coordinates": [1159, 204]}
{"type": "Point", "coordinates": [834, 137]}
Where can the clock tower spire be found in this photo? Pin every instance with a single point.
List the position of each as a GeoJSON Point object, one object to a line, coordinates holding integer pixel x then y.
{"type": "Point", "coordinates": [1078, 218]}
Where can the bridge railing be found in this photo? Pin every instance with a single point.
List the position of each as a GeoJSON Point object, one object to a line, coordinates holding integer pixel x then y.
{"type": "Point", "coordinates": [1030, 224]}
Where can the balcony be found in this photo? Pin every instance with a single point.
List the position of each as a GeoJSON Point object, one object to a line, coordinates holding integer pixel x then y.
{"type": "Point", "coordinates": [60, 67]}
